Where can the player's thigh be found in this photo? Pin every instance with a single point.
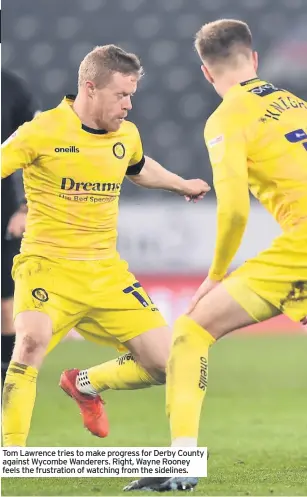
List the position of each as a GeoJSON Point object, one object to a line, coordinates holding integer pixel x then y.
{"type": "Point", "coordinates": [126, 312]}
{"type": "Point", "coordinates": [279, 274]}
{"type": "Point", "coordinates": [120, 328]}
{"type": "Point", "coordinates": [44, 287]}
{"type": "Point", "coordinates": [219, 313]}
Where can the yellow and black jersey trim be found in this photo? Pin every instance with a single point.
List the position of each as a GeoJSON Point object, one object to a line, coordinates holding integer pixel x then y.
{"type": "Point", "coordinates": [136, 168]}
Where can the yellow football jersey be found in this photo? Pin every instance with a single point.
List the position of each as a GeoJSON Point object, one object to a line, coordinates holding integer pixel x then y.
{"type": "Point", "coordinates": [72, 177]}
{"type": "Point", "coordinates": [257, 141]}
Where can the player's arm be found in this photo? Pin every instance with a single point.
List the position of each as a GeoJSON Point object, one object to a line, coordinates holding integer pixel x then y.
{"type": "Point", "coordinates": [148, 173]}
{"type": "Point", "coordinates": [228, 156]}
{"type": "Point", "coordinates": [153, 175]}
{"type": "Point", "coordinates": [19, 150]}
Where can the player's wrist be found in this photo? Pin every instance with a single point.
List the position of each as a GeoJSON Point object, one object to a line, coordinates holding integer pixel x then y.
{"type": "Point", "coordinates": [179, 186]}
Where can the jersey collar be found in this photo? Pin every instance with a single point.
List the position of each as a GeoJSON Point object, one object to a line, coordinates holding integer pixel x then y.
{"type": "Point", "coordinates": [239, 87]}
{"type": "Point", "coordinates": [249, 81]}
{"type": "Point", "coordinates": [67, 104]}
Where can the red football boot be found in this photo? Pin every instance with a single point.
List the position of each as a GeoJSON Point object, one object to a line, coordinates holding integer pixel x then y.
{"type": "Point", "coordinates": [91, 406]}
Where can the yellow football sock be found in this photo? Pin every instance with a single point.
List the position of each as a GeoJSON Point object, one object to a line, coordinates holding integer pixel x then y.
{"type": "Point", "coordinates": [187, 376]}
{"type": "Point", "coordinates": [123, 373]}
{"type": "Point", "coordinates": [19, 394]}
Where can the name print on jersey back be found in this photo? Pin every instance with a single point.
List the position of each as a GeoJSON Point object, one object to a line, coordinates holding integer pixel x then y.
{"type": "Point", "coordinates": [281, 104]}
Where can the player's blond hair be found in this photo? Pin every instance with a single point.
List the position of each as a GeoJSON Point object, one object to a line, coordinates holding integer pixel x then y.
{"type": "Point", "coordinates": [222, 41]}
{"type": "Point", "coordinates": [99, 64]}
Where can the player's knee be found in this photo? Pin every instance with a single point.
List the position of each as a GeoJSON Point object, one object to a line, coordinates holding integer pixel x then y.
{"type": "Point", "coordinates": [29, 349]}
{"type": "Point", "coordinates": [32, 338]}
{"type": "Point", "coordinates": [206, 320]}
{"type": "Point", "coordinates": [158, 375]}
{"type": "Point", "coordinates": [157, 369]}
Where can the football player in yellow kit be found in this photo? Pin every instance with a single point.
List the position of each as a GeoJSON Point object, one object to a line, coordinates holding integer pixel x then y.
{"type": "Point", "coordinates": [69, 274]}
{"type": "Point", "coordinates": [257, 141]}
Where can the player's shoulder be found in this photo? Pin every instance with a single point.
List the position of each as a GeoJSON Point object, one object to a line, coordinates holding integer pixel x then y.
{"type": "Point", "coordinates": [40, 126]}
{"type": "Point", "coordinates": [217, 120]}
{"type": "Point", "coordinates": [129, 128]}
{"type": "Point", "coordinates": [49, 115]}
{"type": "Point", "coordinates": [231, 112]}
{"type": "Point", "coordinates": [215, 117]}
{"type": "Point", "coordinates": [45, 120]}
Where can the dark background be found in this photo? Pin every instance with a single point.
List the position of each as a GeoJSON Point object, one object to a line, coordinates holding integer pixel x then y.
{"type": "Point", "coordinates": [45, 40]}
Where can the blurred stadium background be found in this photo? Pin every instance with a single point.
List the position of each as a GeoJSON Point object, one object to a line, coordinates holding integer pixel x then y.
{"type": "Point", "coordinates": [255, 416]}
{"type": "Point", "coordinates": [160, 235]}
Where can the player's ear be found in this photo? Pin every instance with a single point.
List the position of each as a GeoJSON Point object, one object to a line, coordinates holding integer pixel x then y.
{"type": "Point", "coordinates": [255, 60]}
{"type": "Point", "coordinates": [207, 74]}
{"type": "Point", "coordinates": [90, 88]}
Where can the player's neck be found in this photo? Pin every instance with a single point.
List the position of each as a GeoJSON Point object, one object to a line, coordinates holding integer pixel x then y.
{"type": "Point", "coordinates": [232, 79]}
{"type": "Point", "coordinates": [81, 108]}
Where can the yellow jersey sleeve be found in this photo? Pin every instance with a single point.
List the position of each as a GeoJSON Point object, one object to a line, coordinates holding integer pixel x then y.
{"type": "Point", "coordinates": [19, 150]}
{"type": "Point", "coordinates": [137, 159]}
{"type": "Point", "coordinates": [226, 145]}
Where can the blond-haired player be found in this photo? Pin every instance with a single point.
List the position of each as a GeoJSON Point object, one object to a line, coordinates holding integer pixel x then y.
{"type": "Point", "coordinates": [257, 142]}
{"type": "Point", "coordinates": [69, 274]}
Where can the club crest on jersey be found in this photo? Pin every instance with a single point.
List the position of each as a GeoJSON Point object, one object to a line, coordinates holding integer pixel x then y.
{"type": "Point", "coordinates": [119, 150]}
{"type": "Point", "coordinates": [40, 294]}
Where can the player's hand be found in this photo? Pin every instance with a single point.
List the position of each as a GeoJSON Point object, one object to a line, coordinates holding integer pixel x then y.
{"type": "Point", "coordinates": [16, 225]}
{"type": "Point", "coordinates": [195, 189]}
{"type": "Point", "coordinates": [204, 288]}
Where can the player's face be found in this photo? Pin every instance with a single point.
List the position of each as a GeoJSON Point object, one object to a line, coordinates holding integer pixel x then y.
{"type": "Point", "coordinates": [112, 103]}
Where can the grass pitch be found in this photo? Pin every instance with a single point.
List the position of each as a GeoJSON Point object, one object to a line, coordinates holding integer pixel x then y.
{"type": "Point", "coordinates": [254, 420]}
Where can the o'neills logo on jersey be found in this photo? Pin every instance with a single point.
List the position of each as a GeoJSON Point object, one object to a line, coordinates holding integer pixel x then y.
{"type": "Point", "coordinates": [69, 184]}
{"type": "Point", "coordinates": [69, 150]}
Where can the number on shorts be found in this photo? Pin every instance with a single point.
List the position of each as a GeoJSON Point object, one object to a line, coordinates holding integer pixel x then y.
{"type": "Point", "coordinates": [297, 136]}
{"type": "Point", "coordinates": [137, 295]}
